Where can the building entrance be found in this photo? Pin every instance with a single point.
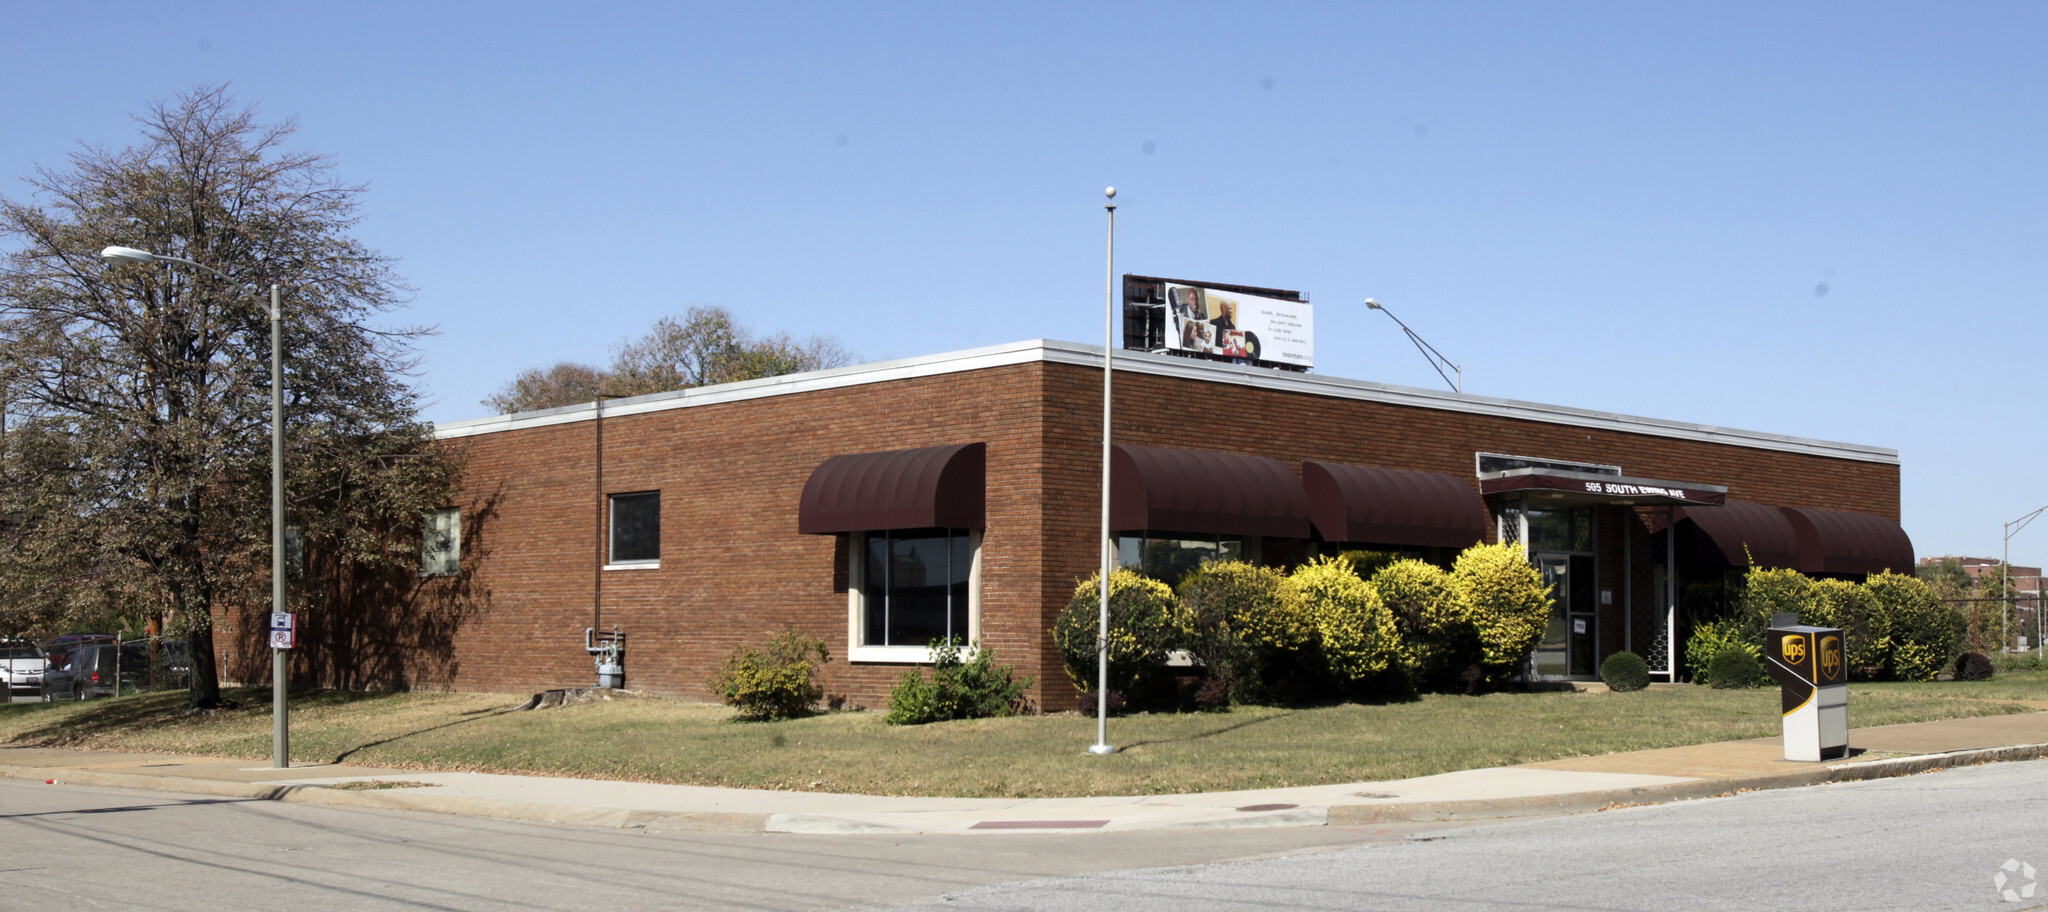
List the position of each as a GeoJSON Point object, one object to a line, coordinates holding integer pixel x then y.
{"type": "Point", "coordinates": [1570, 642]}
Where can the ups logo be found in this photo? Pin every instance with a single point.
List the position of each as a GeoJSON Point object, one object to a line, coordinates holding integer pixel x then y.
{"type": "Point", "coordinates": [1830, 656]}
{"type": "Point", "coordinates": [1793, 648]}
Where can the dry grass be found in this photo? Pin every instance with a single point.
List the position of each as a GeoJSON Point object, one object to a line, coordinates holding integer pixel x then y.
{"type": "Point", "coordinates": [663, 741]}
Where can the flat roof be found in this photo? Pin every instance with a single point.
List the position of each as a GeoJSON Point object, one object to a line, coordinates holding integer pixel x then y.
{"type": "Point", "coordinates": [1056, 352]}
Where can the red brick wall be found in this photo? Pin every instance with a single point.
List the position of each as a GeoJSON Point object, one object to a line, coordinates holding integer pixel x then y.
{"type": "Point", "coordinates": [735, 571]}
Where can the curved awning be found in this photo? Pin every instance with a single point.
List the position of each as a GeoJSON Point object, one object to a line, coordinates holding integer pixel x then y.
{"type": "Point", "coordinates": [1838, 541]}
{"type": "Point", "coordinates": [1745, 534]}
{"type": "Point", "coordinates": [1352, 503]}
{"type": "Point", "coordinates": [1154, 488]}
{"type": "Point", "coordinates": [928, 487]}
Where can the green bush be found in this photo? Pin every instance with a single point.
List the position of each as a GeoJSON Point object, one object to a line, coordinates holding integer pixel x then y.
{"type": "Point", "coordinates": [1840, 603]}
{"type": "Point", "coordinates": [1510, 606]}
{"type": "Point", "coordinates": [1711, 638]}
{"type": "Point", "coordinates": [1246, 625]}
{"type": "Point", "coordinates": [779, 682]}
{"type": "Point", "coordinates": [1439, 641]}
{"type": "Point", "coordinates": [1973, 666]}
{"type": "Point", "coordinates": [1766, 593]}
{"type": "Point", "coordinates": [1141, 631]}
{"type": "Point", "coordinates": [1624, 672]}
{"type": "Point", "coordinates": [1733, 668]}
{"type": "Point", "coordinates": [1364, 563]}
{"type": "Point", "coordinates": [975, 689]}
{"type": "Point", "coordinates": [1919, 632]}
{"type": "Point", "coordinates": [1360, 642]}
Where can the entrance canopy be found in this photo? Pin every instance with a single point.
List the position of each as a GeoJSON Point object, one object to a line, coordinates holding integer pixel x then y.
{"type": "Point", "coordinates": [1566, 488]}
{"type": "Point", "coordinates": [1195, 491]}
{"type": "Point", "coordinates": [1350, 503]}
{"type": "Point", "coordinates": [928, 487]}
{"type": "Point", "coordinates": [1744, 534]}
{"type": "Point", "coordinates": [1838, 541]}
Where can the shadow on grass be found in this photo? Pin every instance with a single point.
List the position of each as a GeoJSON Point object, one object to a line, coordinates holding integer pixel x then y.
{"type": "Point", "coordinates": [472, 716]}
{"type": "Point", "coordinates": [1227, 729]}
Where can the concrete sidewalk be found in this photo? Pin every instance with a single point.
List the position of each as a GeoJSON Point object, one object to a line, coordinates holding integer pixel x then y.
{"type": "Point", "coordinates": [1578, 784]}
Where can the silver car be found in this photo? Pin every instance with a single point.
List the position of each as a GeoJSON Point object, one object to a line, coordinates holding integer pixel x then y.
{"type": "Point", "coordinates": [21, 668]}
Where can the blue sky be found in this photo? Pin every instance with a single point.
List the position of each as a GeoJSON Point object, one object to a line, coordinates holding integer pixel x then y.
{"type": "Point", "coordinates": [1824, 220]}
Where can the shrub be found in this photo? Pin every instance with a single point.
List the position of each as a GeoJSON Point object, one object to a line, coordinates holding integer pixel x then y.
{"type": "Point", "coordinates": [1246, 625]}
{"type": "Point", "coordinates": [1770, 592]}
{"type": "Point", "coordinates": [1919, 632]}
{"type": "Point", "coordinates": [1510, 606]}
{"type": "Point", "coordinates": [1364, 563]}
{"type": "Point", "coordinates": [975, 689]}
{"type": "Point", "coordinates": [1439, 641]}
{"type": "Point", "coordinates": [1358, 636]}
{"type": "Point", "coordinates": [1087, 704]}
{"type": "Point", "coordinates": [1140, 631]}
{"type": "Point", "coordinates": [1734, 668]}
{"type": "Point", "coordinates": [1711, 638]}
{"type": "Point", "coordinates": [778, 682]}
{"type": "Point", "coordinates": [1973, 666]}
{"type": "Point", "coordinates": [1839, 603]}
{"type": "Point", "coordinates": [1624, 672]}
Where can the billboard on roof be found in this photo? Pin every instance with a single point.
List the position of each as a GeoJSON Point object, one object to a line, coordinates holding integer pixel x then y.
{"type": "Point", "coordinates": [1268, 327]}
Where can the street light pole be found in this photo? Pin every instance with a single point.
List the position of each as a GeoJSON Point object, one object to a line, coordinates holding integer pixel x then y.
{"type": "Point", "coordinates": [2004, 594]}
{"type": "Point", "coordinates": [1102, 745]}
{"type": "Point", "coordinates": [1436, 358]}
{"type": "Point", "coordinates": [280, 720]}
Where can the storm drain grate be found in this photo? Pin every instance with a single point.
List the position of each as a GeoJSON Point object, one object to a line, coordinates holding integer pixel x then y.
{"type": "Point", "coordinates": [1039, 824]}
{"type": "Point", "coordinates": [1269, 807]}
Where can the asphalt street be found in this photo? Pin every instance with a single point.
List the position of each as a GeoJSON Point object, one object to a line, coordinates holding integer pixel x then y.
{"type": "Point", "coordinates": [82, 847]}
{"type": "Point", "coordinates": [1932, 841]}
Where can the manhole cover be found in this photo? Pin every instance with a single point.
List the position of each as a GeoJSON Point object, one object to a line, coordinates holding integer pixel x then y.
{"type": "Point", "coordinates": [1269, 807]}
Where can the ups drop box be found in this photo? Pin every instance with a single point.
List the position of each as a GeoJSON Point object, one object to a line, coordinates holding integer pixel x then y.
{"type": "Point", "coordinates": [1810, 665]}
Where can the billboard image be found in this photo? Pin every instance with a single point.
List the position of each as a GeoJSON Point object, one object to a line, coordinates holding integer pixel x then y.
{"type": "Point", "coordinates": [1230, 324]}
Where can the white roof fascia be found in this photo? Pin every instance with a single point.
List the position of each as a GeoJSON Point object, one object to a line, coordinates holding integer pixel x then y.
{"type": "Point", "coordinates": [1047, 350]}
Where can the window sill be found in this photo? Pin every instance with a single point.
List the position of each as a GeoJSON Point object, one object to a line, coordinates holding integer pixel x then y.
{"type": "Point", "coordinates": [898, 655]}
{"type": "Point", "coordinates": [635, 565]}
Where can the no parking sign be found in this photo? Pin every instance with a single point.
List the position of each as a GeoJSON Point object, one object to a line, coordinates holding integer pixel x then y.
{"type": "Point", "coordinates": [284, 630]}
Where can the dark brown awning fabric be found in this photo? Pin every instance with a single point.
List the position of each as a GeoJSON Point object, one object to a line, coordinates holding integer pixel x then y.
{"type": "Point", "coordinates": [1743, 534]}
{"type": "Point", "coordinates": [1837, 541]}
{"type": "Point", "coordinates": [928, 487]}
{"type": "Point", "coordinates": [1351, 503]}
{"type": "Point", "coordinates": [1154, 488]}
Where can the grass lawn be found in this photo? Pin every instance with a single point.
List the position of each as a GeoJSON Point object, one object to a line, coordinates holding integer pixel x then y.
{"type": "Point", "coordinates": [1254, 747]}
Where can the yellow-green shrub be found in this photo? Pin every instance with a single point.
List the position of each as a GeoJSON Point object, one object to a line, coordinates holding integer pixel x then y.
{"type": "Point", "coordinates": [1509, 606]}
{"type": "Point", "coordinates": [1770, 592]}
{"type": "Point", "coordinates": [1141, 631]}
{"type": "Point", "coordinates": [1919, 633]}
{"type": "Point", "coordinates": [1359, 638]}
{"type": "Point", "coordinates": [1437, 636]}
{"type": "Point", "coordinates": [778, 682]}
{"type": "Point", "coordinates": [1840, 603]}
{"type": "Point", "coordinates": [1243, 623]}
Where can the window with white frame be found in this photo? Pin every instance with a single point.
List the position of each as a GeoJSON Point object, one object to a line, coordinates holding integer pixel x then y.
{"type": "Point", "coordinates": [911, 588]}
{"type": "Point", "coordinates": [635, 529]}
{"type": "Point", "coordinates": [441, 542]}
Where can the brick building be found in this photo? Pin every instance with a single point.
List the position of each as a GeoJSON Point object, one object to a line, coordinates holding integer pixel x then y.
{"type": "Point", "coordinates": [881, 505]}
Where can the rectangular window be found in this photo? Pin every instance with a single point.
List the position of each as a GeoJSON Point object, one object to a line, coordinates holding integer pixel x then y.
{"type": "Point", "coordinates": [636, 528]}
{"type": "Point", "coordinates": [441, 542]}
{"type": "Point", "coordinates": [911, 588]}
{"type": "Point", "coordinates": [1168, 556]}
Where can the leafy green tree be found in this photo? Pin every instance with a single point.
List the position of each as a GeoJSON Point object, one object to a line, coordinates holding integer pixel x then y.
{"type": "Point", "coordinates": [706, 346]}
{"type": "Point", "coordinates": [137, 465]}
{"type": "Point", "coordinates": [1946, 578]}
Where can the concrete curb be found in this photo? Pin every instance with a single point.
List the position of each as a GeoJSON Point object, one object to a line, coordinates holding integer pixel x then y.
{"type": "Point", "coordinates": [1579, 802]}
{"type": "Point", "coordinates": [401, 800]}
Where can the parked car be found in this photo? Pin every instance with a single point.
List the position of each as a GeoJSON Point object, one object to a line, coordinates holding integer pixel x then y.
{"type": "Point", "coordinates": [58, 655]}
{"type": "Point", "coordinates": [97, 666]}
{"type": "Point", "coordinates": [21, 668]}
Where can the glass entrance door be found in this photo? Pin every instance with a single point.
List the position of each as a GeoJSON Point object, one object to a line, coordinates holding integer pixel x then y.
{"type": "Point", "coordinates": [1568, 647]}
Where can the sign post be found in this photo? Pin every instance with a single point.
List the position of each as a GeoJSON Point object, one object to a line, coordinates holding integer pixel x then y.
{"type": "Point", "coordinates": [1811, 668]}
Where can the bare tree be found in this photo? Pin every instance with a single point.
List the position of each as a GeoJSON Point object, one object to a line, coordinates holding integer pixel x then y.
{"type": "Point", "coordinates": [144, 390]}
{"type": "Point", "coordinates": [706, 346]}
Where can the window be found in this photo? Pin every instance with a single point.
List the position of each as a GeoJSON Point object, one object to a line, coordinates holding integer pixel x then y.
{"type": "Point", "coordinates": [441, 542]}
{"type": "Point", "coordinates": [636, 528]}
{"type": "Point", "coordinates": [912, 587]}
{"type": "Point", "coordinates": [1168, 556]}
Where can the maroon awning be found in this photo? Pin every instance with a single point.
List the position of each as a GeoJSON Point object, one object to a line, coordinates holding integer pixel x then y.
{"type": "Point", "coordinates": [1154, 488]}
{"type": "Point", "coordinates": [1837, 541]}
{"type": "Point", "coordinates": [1593, 488]}
{"type": "Point", "coordinates": [1352, 503]}
{"type": "Point", "coordinates": [928, 487]}
{"type": "Point", "coordinates": [1746, 534]}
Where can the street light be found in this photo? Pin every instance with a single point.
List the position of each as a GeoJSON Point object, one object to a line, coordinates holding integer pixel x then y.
{"type": "Point", "coordinates": [1102, 745]}
{"type": "Point", "coordinates": [2005, 594]}
{"type": "Point", "coordinates": [280, 732]}
{"type": "Point", "coordinates": [1436, 358]}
